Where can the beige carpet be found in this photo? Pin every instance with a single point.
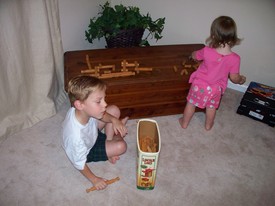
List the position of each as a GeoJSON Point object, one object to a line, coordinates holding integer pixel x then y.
{"type": "Point", "coordinates": [231, 165]}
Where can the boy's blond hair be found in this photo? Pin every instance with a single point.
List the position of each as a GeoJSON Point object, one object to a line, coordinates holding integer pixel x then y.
{"type": "Point", "coordinates": [80, 87]}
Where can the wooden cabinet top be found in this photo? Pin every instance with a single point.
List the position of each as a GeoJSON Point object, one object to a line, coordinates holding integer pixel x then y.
{"type": "Point", "coordinates": [163, 59]}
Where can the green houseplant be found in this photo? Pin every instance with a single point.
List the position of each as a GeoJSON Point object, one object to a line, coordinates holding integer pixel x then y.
{"type": "Point", "coordinates": [119, 22]}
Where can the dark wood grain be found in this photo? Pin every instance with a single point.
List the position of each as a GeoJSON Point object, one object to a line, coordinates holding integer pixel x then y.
{"type": "Point", "coordinates": [159, 92]}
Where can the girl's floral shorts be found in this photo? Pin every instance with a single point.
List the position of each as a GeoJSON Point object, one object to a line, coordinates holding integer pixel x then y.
{"type": "Point", "coordinates": [205, 96]}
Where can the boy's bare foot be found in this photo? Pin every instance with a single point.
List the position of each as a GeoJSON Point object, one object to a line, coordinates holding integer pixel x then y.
{"type": "Point", "coordinates": [124, 120]}
{"type": "Point", "coordinates": [114, 159]}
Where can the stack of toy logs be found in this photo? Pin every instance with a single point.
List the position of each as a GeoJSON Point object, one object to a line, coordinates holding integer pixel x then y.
{"type": "Point", "coordinates": [109, 71]}
{"type": "Point", "coordinates": [147, 144]}
{"type": "Point", "coordinates": [191, 64]}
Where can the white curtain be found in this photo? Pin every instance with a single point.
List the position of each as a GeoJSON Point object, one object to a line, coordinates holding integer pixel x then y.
{"type": "Point", "coordinates": [31, 63]}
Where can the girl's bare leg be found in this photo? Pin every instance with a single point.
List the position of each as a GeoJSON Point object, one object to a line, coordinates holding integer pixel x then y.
{"type": "Point", "coordinates": [210, 117]}
{"type": "Point", "coordinates": [187, 115]}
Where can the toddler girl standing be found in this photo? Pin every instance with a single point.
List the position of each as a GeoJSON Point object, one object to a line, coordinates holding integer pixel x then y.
{"type": "Point", "coordinates": [209, 81]}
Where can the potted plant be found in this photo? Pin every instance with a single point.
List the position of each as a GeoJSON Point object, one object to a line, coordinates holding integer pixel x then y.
{"type": "Point", "coordinates": [118, 23]}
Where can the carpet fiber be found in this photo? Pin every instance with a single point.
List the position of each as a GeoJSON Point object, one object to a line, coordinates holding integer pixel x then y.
{"type": "Point", "coordinates": [231, 165]}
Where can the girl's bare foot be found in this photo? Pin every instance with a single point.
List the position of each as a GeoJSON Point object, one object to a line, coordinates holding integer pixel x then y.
{"type": "Point", "coordinates": [181, 123]}
{"type": "Point", "coordinates": [209, 126]}
{"type": "Point", "coordinates": [114, 159]}
{"type": "Point", "coordinates": [210, 117]}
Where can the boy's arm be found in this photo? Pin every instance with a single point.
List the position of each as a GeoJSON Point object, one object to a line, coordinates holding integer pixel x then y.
{"type": "Point", "coordinates": [108, 118]}
{"type": "Point", "coordinates": [237, 78]}
{"type": "Point", "coordinates": [118, 126]}
{"type": "Point", "coordinates": [98, 182]}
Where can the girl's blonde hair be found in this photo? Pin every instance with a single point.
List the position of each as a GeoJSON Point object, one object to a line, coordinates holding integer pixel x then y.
{"type": "Point", "coordinates": [80, 87]}
{"type": "Point", "coordinates": [223, 31]}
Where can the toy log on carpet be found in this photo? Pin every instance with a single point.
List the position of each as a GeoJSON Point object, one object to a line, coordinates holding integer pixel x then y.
{"type": "Point", "coordinates": [107, 181]}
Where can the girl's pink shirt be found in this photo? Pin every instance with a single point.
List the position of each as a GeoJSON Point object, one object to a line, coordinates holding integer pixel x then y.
{"type": "Point", "coordinates": [215, 67]}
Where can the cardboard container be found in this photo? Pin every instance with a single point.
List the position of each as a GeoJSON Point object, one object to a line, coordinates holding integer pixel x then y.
{"type": "Point", "coordinates": [258, 103]}
{"type": "Point", "coordinates": [148, 148]}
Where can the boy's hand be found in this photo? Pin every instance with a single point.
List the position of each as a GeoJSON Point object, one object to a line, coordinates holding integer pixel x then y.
{"type": "Point", "coordinates": [99, 183]}
{"type": "Point", "coordinates": [119, 126]}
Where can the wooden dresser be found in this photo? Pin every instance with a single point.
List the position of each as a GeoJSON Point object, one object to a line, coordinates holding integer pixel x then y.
{"type": "Point", "coordinates": [161, 91]}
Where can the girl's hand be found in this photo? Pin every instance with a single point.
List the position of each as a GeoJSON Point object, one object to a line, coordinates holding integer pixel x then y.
{"type": "Point", "coordinates": [243, 79]}
{"type": "Point", "coordinates": [237, 78]}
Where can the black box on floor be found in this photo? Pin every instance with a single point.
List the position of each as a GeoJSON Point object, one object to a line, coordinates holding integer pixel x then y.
{"type": "Point", "coordinates": [258, 103]}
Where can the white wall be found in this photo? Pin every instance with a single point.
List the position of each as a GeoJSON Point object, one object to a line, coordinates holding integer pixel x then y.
{"type": "Point", "coordinates": [188, 21]}
{"type": "Point", "coordinates": [74, 20]}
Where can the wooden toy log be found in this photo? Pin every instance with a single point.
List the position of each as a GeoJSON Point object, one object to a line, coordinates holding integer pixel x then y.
{"type": "Point", "coordinates": [143, 69]}
{"type": "Point", "coordinates": [87, 71]}
{"type": "Point", "coordinates": [123, 64]}
{"type": "Point", "coordinates": [97, 68]}
{"type": "Point", "coordinates": [106, 67]}
{"type": "Point", "coordinates": [94, 75]}
{"type": "Point", "coordinates": [147, 144]}
{"type": "Point", "coordinates": [126, 64]}
{"type": "Point", "coordinates": [107, 181]}
{"type": "Point", "coordinates": [184, 71]}
{"type": "Point", "coordinates": [117, 74]}
{"type": "Point", "coordinates": [88, 62]}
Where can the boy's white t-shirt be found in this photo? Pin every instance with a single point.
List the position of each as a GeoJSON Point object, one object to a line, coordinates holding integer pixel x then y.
{"type": "Point", "coordinates": [78, 139]}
